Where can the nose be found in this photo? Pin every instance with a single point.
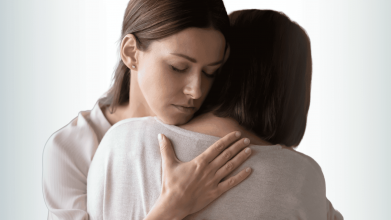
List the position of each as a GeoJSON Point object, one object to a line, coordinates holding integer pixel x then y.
{"type": "Point", "coordinates": [193, 87]}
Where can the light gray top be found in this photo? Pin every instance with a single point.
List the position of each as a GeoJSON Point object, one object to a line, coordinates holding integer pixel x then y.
{"type": "Point", "coordinates": [124, 179]}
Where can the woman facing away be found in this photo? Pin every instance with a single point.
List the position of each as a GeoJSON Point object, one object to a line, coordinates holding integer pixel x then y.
{"type": "Point", "coordinates": [160, 37]}
{"type": "Point", "coordinates": [264, 92]}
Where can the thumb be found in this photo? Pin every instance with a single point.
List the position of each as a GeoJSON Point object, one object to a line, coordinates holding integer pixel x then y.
{"type": "Point", "coordinates": [168, 153]}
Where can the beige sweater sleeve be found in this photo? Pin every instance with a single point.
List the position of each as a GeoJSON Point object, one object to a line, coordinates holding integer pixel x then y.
{"type": "Point", "coordinates": [66, 160]}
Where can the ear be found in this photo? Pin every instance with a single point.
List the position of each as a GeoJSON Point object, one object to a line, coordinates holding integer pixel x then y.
{"type": "Point", "coordinates": [129, 51]}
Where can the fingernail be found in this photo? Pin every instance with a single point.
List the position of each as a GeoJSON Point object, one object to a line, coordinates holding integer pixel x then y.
{"type": "Point", "coordinates": [248, 169]}
{"type": "Point", "coordinates": [248, 150]}
{"type": "Point", "coordinates": [159, 136]}
{"type": "Point", "coordinates": [238, 134]}
{"type": "Point", "coordinates": [246, 141]}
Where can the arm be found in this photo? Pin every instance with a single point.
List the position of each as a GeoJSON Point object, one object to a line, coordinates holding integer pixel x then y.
{"type": "Point", "coordinates": [191, 186]}
{"type": "Point", "coordinates": [66, 159]}
{"type": "Point", "coordinates": [63, 184]}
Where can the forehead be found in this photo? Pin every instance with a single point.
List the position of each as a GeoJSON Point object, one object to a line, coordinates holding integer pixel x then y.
{"type": "Point", "coordinates": [206, 45]}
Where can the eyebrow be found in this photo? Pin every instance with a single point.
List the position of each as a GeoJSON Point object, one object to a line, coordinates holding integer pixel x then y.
{"type": "Point", "coordinates": [195, 61]}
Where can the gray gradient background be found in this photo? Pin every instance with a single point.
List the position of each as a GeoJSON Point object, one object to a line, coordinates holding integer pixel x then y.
{"type": "Point", "coordinates": [57, 58]}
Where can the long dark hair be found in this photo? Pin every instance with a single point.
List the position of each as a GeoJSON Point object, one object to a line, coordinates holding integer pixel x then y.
{"type": "Point", "coordinates": [150, 20]}
{"type": "Point", "coordinates": [265, 84]}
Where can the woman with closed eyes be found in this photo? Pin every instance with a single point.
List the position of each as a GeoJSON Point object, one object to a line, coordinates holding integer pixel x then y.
{"type": "Point", "coordinates": [171, 51]}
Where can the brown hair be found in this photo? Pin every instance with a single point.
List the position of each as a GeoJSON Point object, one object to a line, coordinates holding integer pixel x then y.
{"type": "Point", "coordinates": [150, 20]}
{"type": "Point", "coordinates": [265, 84]}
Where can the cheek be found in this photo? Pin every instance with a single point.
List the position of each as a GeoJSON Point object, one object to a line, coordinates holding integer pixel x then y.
{"type": "Point", "coordinates": [158, 86]}
{"type": "Point", "coordinates": [207, 85]}
{"type": "Point", "coordinates": [149, 86]}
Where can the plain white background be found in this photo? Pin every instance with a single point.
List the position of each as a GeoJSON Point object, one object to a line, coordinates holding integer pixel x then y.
{"type": "Point", "coordinates": [57, 58]}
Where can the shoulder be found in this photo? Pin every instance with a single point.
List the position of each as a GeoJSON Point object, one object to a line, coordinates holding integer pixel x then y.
{"type": "Point", "coordinates": [303, 172]}
{"type": "Point", "coordinates": [285, 163]}
{"type": "Point", "coordinates": [74, 133]}
{"type": "Point", "coordinates": [68, 154]}
{"type": "Point", "coordinates": [308, 177]}
{"type": "Point", "coordinates": [307, 160]}
{"type": "Point", "coordinates": [132, 122]}
{"type": "Point", "coordinates": [83, 133]}
{"type": "Point", "coordinates": [73, 145]}
{"type": "Point", "coordinates": [303, 162]}
{"type": "Point", "coordinates": [131, 128]}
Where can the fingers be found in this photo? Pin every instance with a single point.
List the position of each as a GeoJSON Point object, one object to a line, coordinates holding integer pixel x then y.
{"type": "Point", "coordinates": [228, 153]}
{"type": "Point", "coordinates": [233, 164]}
{"type": "Point", "coordinates": [233, 181]}
{"type": "Point", "coordinates": [211, 153]}
{"type": "Point", "coordinates": [168, 153]}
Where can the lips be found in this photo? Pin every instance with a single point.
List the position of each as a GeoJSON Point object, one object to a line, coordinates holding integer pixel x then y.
{"type": "Point", "coordinates": [185, 109]}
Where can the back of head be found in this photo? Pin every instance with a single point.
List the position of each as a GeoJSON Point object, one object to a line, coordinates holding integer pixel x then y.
{"type": "Point", "coordinates": [265, 84]}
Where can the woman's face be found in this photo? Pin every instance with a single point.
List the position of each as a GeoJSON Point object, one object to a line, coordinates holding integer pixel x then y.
{"type": "Point", "coordinates": [175, 74]}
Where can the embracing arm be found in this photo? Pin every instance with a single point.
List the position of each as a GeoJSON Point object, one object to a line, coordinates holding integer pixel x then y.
{"type": "Point", "coordinates": [64, 184]}
{"type": "Point", "coordinates": [66, 159]}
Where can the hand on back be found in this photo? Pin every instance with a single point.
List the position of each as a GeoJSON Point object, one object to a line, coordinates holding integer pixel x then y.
{"type": "Point", "coordinates": [188, 187]}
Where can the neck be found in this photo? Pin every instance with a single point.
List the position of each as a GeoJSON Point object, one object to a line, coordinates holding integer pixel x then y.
{"type": "Point", "coordinates": [134, 108]}
{"type": "Point", "coordinates": [210, 124]}
{"type": "Point", "coordinates": [137, 105]}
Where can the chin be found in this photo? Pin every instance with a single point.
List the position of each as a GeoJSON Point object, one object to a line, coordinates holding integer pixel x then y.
{"type": "Point", "coordinates": [175, 120]}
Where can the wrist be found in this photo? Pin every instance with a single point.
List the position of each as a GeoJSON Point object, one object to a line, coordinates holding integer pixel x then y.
{"type": "Point", "coordinates": [165, 209]}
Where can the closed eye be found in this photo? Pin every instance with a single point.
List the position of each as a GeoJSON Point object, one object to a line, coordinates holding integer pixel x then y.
{"type": "Point", "coordinates": [178, 70]}
{"type": "Point", "coordinates": [213, 75]}
{"type": "Point", "coordinates": [184, 70]}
